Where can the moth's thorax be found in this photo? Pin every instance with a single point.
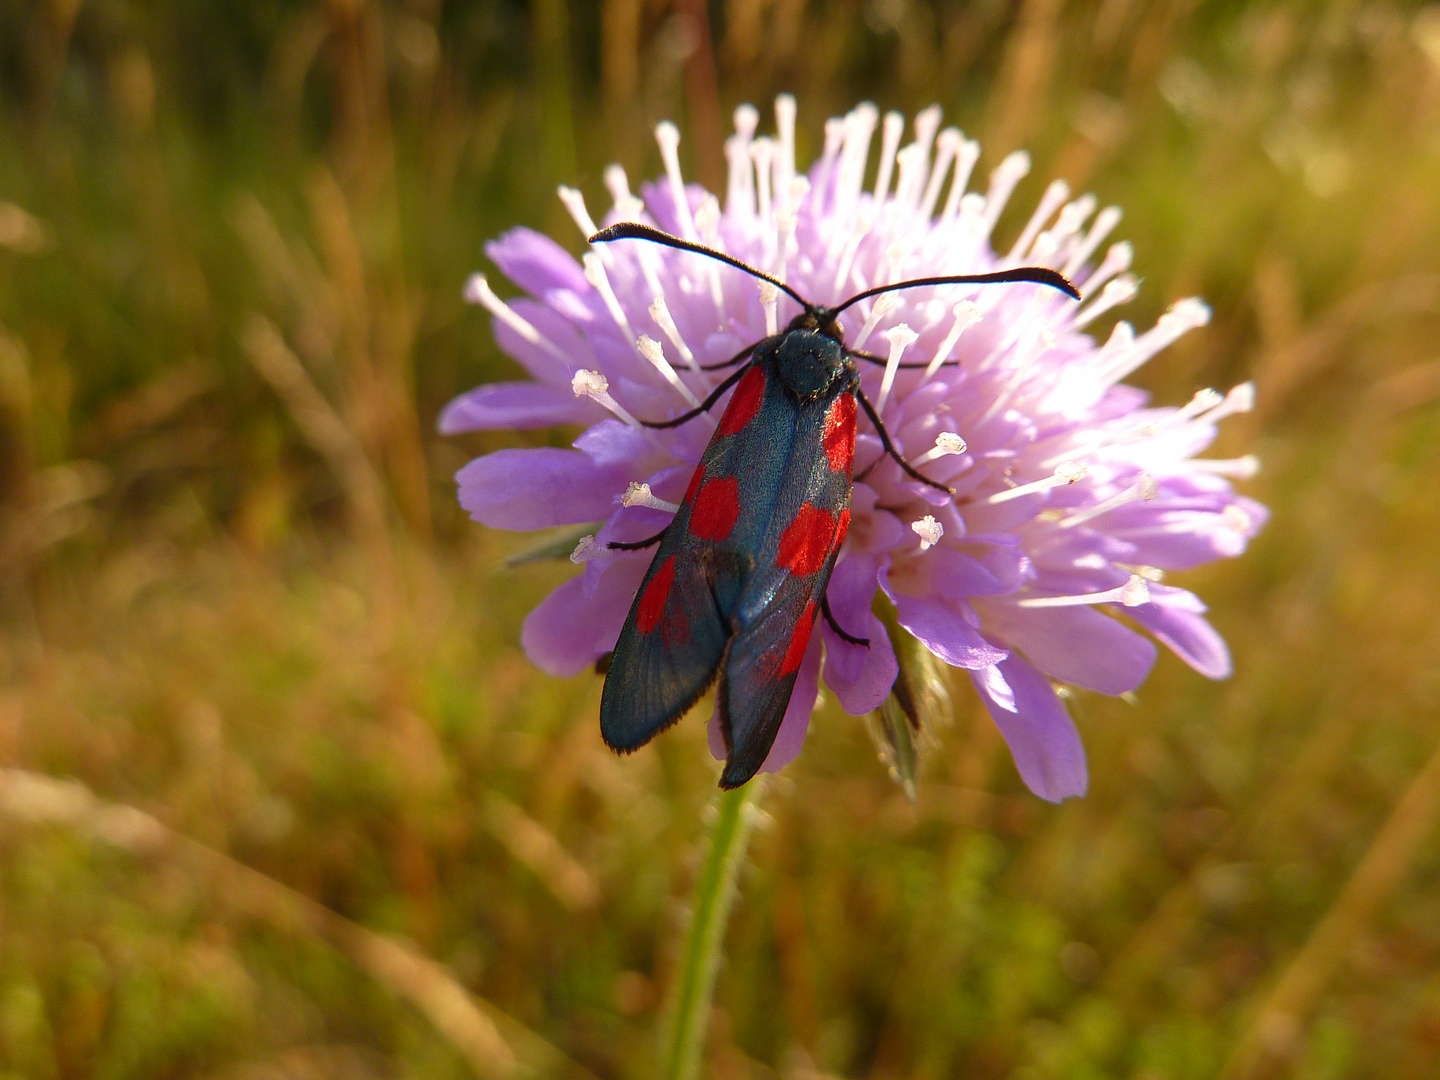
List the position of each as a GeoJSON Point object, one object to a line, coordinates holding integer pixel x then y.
{"type": "Point", "coordinates": [807, 362]}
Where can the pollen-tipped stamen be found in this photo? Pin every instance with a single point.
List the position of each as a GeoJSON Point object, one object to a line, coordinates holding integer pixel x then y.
{"type": "Point", "coordinates": [928, 530]}
{"type": "Point", "coordinates": [1133, 593]}
{"type": "Point", "coordinates": [478, 291]}
{"type": "Point", "coordinates": [1144, 488]}
{"type": "Point", "coordinates": [967, 314]}
{"type": "Point", "coordinates": [639, 494]}
{"type": "Point", "coordinates": [947, 443]}
{"type": "Point", "coordinates": [652, 350]}
{"type": "Point", "coordinates": [1068, 472]}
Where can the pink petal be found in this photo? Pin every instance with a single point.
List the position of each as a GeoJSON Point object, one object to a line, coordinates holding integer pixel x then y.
{"type": "Point", "coordinates": [580, 621]}
{"type": "Point", "coordinates": [861, 676]}
{"type": "Point", "coordinates": [534, 489]}
{"type": "Point", "coordinates": [1041, 736]}
{"type": "Point", "coordinates": [1074, 644]}
{"type": "Point", "coordinates": [515, 405]}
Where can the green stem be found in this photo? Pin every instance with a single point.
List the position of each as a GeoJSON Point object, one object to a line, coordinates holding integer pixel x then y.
{"type": "Point", "coordinates": [710, 911]}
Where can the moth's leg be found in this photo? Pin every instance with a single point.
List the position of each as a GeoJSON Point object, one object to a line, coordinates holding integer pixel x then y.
{"type": "Point", "coordinates": [841, 634]}
{"type": "Point", "coordinates": [638, 545]}
{"type": "Point", "coordinates": [741, 355]}
{"type": "Point", "coordinates": [704, 406]}
{"type": "Point", "coordinates": [890, 446]}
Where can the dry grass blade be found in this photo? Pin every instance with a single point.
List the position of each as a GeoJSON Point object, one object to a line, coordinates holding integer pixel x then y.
{"type": "Point", "coordinates": [1275, 1026]}
{"type": "Point", "coordinates": [320, 424]}
{"type": "Point", "coordinates": [40, 800]}
{"type": "Point", "coordinates": [536, 848]}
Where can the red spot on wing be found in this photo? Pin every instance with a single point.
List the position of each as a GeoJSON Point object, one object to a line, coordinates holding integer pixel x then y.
{"type": "Point", "coordinates": [799, 640]}
{"type": "Point", "coordinates": [744, 403]}
{"type": "Point", "coordinates": [695, 479]}
{"type": "Point", "coordinates": [652, 600]}
{"type": "Point", "coordinates": [805, 543]}
{"type": "Point", "coordinates": [842, 527]}
{"type": "Point", "coordinates": [839, 437]}
{"type": "Point", "coordinates": [716, 509]}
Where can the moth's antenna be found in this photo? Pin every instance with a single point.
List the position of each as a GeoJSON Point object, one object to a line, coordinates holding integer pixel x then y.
{"type": "Point", "coordinates": [633, 230]}
{"type": "Point", "coordinates": [1038, 275]}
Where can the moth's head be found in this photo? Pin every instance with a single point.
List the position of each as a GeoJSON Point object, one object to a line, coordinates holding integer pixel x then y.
{"type": "Point", "coordinates": [819, 319]}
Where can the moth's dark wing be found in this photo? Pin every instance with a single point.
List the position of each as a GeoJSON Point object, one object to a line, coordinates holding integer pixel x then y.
{"type": "Point", "coordinates": [775, 612]}
{"type": "Point", "coordinates": [758, 676]}
{"type": "Point", "coordinates": [669, 649]}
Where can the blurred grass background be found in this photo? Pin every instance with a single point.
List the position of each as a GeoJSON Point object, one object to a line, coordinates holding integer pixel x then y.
{"type": "Point", "coordinates": [333, 825]}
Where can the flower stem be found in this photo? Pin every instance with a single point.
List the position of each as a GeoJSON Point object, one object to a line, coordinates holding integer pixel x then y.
{"type": "Point", "coordinates": [710, 911]}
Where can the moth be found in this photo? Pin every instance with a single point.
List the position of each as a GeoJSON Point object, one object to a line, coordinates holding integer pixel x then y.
{"type": "Point", "coordinates": [740, 574]}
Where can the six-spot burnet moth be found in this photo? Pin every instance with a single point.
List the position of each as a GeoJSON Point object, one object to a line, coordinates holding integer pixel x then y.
{"type": "Point", "coordinates": [741, 570]}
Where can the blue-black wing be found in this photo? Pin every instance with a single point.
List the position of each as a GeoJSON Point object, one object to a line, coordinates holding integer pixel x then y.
{"type": "Point", "coordinates": [736, 584]}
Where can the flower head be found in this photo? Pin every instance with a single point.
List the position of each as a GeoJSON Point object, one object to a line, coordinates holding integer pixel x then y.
{"type": "Point", "coordinates": [1072, 494]}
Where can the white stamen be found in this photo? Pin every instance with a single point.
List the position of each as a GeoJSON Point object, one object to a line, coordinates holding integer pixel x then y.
{"type": "Point", "coordinates": [895, 262]}
{"type": "Point", "coordinates": [747, 119]}
{"type": "Point", "coordinates": [1117, 261]}
{"type": "Point", "coordinates": [929, 530]}
{"type": "Point", "coordinates": [1067, 472]}
{"type": "Point", "coordinates": [966, 156]}
{"type": "Point", "coordinates": [1240, 399]}
{"type": "Point", "coordinates": [707, 220]}
{"type": "Point", "coordinates": [1120, 291]}
{"type": "Point", "coordinates": [640, 495]}
{"type": "Point", "coordinates": [946, 444]}
{"type": "Point", "coordinates": [1183, 317]}
{"type": "Point", "coordinates": [1055, 196]}
{"type": "Point", "coordinates": [1203, 400]}
{"type": "Point", "coordinates": [927, 123]}
{"type": "Point", "coordinates": [575, 203]}
{"type": "Point", "coordinates": [1152, 574]}
{"type": "Point", "coordinates": [595, 274]}
{"type": "Point", "coordinates": [668, 136]}
{"type": "Point", "coordinates": [1133, 593]}
{"type": "Point", "coordinates": [785, 131]}
{"type": "Point", "coordinates": [663, 319]}
{"type": "Point", "coordinates": [1235, 518]}
{"type": "Point", "coordinates": [1003, 180]}
{"type": "Point", "coordinates": [971, 223]}
{"type": "Point", "coordinates": [889, 143]}
{"type": "Point", "coordinates": [1144, 488]}
{"type": "Point", "coordinates": [912, 174]}
{"type": "Point", "coordinates": [1072, 216]}
{"type": "Point", "coordinates": [652, 351]}
{"type": "Point", "coordinates": [762, 152]}
{"type": "Point", "coordinates": [770, 301]}
{"type": "Point", "coordinates": [588, 549]}
{"type": "Point", "coordinates": [478, 291]}
{"type": "Point", "coordinates": [946, 147]}
{"type": "Point", "coordinates": [967, 314]}
{"type": "Point", "coordinates": [1241, 468]}
{"type": "Point", "coordinates": [860, 228]}
{"type": "Point", "coordinates": [786, 222]}
{"type": "Point", "coordinates": [859, 129]}
{"type": "Point", "coordinates": [884, 304]}
{"type": "Point", "coordinates": [617, 183]}
{"type": "Point", "coordinates": [627, 206]}
{"type": "Point", "coordinates": [596, 387]}
{"type": "Point", "coordinates": [740, 191]}
{"type": "Point", "coordinates": [1103, 225]}
{"type": "Point", "coordinates": [1122, 337]}
{"type": "Point", "coordinates": [900, 337]}
{"type": "Point", "coordinates": [834, 143]}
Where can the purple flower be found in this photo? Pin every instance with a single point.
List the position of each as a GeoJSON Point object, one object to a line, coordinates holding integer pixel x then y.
{"type": "Point", "coordinates": [1072, 495]}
